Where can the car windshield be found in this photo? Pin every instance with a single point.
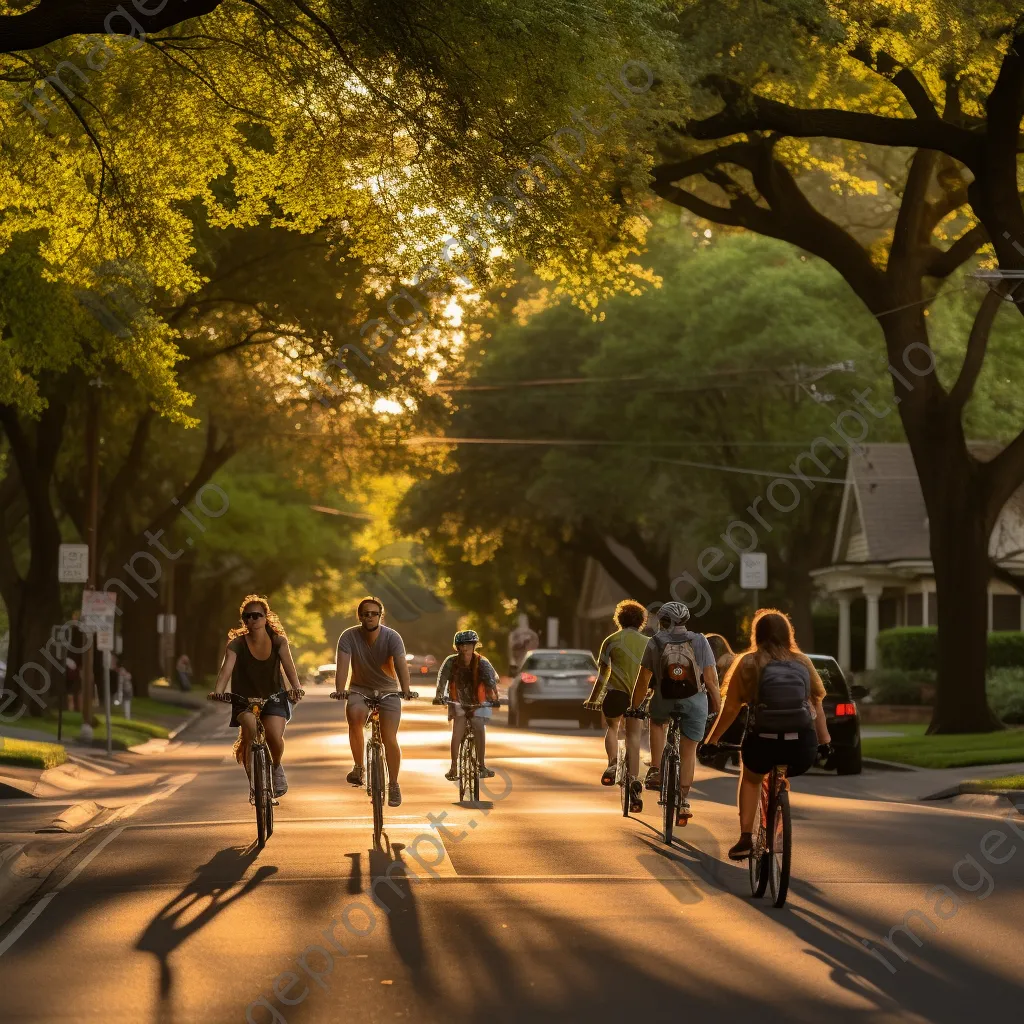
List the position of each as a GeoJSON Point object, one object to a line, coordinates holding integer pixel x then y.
{"type": "Point", "coordinates": [832, 677]}
{"type": "Point", "coordinates": [559, 663]}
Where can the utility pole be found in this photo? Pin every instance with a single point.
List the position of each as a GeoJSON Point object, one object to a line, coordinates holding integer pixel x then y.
{"type": "Point", "coordinates": [92, 454]}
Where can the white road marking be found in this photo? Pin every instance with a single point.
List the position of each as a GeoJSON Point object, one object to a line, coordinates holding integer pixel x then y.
{"type": "Point", "coordinates": [26, 922]}
{"type": "Point", "coordinates": [86, 861]}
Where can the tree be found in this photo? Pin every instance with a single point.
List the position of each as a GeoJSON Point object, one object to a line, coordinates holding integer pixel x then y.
{"type": "Point", "coordinates": [943, 84]}
{"type": "Point", "coordinates": [669, 408]}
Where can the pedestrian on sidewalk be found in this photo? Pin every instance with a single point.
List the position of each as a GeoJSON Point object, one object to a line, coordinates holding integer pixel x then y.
{"type": "Point", "coordinates": [125, 691]}
{"type": "Point", "coordinates": [183, 668]}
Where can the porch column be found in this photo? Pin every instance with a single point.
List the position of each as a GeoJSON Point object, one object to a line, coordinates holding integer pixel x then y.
{"type": "Point", "coordinates": [844, 631]}
{"type": "Point", "coordinates": [872, 593]}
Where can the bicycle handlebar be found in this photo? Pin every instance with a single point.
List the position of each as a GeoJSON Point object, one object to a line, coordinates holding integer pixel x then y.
{"type": "Point", "coordinates": [239, 700]}
{"type": "Point", "coordinates": [376, 698]}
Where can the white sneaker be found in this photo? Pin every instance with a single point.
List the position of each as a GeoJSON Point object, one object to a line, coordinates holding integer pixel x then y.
{"type": "Point", "coordinates": [280, 782]}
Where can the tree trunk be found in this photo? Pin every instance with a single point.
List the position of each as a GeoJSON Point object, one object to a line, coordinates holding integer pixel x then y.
{"type": "Point", "coordinates": [959, 526]}
{"type": "Point", "coordinates": [33, 616]}
{"type": "Point", "coordinates": [141, 641]}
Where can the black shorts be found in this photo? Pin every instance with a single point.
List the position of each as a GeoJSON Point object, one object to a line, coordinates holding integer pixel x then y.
{"type": "Point", "coordinates": [279, 705]}
{"type": "Point", "coordinates": [615, 703]}
{"type": "Point", "coordinates": [762, 753]}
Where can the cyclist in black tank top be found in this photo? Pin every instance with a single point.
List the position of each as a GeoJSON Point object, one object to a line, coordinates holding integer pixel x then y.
{"type": "Point", "coordinates": [255, 656]}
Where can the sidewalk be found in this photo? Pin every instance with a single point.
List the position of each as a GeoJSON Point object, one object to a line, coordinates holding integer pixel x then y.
{"type": "Point", "coordinates": [907, 786]}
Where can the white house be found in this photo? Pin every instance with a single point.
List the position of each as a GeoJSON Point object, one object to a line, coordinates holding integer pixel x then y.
{"type": "Point", "coordinates": [881, 550]}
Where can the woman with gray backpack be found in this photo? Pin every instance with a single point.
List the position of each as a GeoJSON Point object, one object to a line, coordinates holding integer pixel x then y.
{"type": "Point", "coordinates": [787, 723]}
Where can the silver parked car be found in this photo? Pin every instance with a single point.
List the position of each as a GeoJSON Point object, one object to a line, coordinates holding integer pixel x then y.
{"type": "Point", "coordinates": [552, 683]}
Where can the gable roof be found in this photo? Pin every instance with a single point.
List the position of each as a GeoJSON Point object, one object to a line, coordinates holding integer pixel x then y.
{"type": "Point", "coordinates": [883, 510]}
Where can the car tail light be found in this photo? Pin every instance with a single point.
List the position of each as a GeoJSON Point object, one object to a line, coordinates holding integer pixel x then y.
{"type": "Point", "coordinates": [591, 679]}
{"type": "Point", "coordinates": [846, 709]}
{"type": "Point", "coordinates": [423, 670]}
{"type": "Point", "coordinates": [526, 677]}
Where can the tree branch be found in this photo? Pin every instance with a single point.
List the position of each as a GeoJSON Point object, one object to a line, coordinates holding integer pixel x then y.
{"type": "Point", "coordinates": [51, 20]}
{"type": "Point", "coordinates": [902, 77]}
{"type": "Point", "coordinates": [943, 262]}
{"type": "Point", "coordinates": [977, 343]}
{"type": "Point", "coordinates": [746, 112]}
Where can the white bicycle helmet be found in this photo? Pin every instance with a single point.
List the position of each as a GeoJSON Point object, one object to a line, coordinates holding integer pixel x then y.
{"type": "Point", "coordinates": [675, 613]}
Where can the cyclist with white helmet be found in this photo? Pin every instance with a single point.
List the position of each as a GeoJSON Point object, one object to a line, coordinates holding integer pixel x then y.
{"type": "Point", "coordinates": [468, 678]}
{"type": "Point", "coordinates": [685, 680]}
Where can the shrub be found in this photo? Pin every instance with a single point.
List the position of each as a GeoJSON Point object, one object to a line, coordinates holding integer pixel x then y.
{"type": "Point", "coordinates": [911, 648]}
{"type": "Point", "coordinates": [896, 685]}
{"type": "Point", "coordinates": [1006, 650]}
{"type": "Point", "coordinates": [1006, 694]}
{"type": "Point", "coordinates": [915, 648]}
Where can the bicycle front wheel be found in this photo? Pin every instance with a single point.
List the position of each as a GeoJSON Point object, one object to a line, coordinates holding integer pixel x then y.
{"type": "Point", "coordinates": [781, 849]}
{"type": "Point", "coordinates": [670, 789]}
{"type": "Point", "coordinates": [261, 787]}
{"type": "Point", "coordinates": [375, 773]}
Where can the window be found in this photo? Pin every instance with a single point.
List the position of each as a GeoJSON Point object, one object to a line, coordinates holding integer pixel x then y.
{"type": "Point", "coordinates": [559, 662]}
{"type": "Point", "coordinates": [933, 609]}
{"type": "Point", "coordinates": [1006, 611]}
{"type": "Point", "coordinates": [915, 609]}
{"type": "Point", "coordinates": [832, 676]}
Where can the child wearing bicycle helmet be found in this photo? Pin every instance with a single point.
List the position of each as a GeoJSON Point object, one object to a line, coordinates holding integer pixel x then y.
{"type": "Point", "coordinates": [467, 678]}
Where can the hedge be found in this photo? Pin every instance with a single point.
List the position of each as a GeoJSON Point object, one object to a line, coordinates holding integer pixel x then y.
{"type": "Point", "coordinates": [913, 648]}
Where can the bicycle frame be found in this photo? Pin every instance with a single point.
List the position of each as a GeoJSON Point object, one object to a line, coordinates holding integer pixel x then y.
{"type": "Point", "coordinates": [469, 761]}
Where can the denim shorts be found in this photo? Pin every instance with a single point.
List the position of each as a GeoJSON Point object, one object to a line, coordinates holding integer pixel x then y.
{"type": "Point", "coordinates": [694, 710]}
{"type": "Point", "coordinates": [279, 706]}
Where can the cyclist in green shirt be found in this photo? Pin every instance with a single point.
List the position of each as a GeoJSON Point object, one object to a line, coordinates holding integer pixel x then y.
{"type": "Point", "coordinates": [619, 665]}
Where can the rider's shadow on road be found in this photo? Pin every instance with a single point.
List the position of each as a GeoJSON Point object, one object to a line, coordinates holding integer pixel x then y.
{"type": "Point", "coordinates": [181, 917]}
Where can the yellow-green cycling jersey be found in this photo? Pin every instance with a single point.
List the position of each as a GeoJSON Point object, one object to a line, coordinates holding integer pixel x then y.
{"type": "Point", "coordinates": [619, 662]}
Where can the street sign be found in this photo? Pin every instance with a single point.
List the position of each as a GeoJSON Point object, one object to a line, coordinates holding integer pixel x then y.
{"type": "Point", "coordinates": [73, 566]}
{"type": "Point", "coordinates": [105, 639]}
{"type": "Point", "coordinates": [754, 570]}
{"type": "Point", "coordinates": [98, 611]}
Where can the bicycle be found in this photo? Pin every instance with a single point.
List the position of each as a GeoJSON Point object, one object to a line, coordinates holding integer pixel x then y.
{"type": "Point", "coordinates": [261, 776]}
{"type": "Point", "coordinates": [622, 776]}
{"type": "Point", "coordinates": [772, 852]}
{"type": "Point", "coordinates": [469, 762]}
{"type": "Point", "coordinates": [376, 763]}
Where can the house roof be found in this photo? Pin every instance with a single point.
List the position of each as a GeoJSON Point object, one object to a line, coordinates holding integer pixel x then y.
{"type": "Point", "coordinates": [883, 501]}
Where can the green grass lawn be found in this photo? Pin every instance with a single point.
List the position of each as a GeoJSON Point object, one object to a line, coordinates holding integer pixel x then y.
{"type": "Point", "coordinates": [915, 748]}
{"type": "Point", "coordinates": [30, 754]}
{"type": "Point", "coordinates": [148, 709]}
{"type": "Point", "coordinates": [1005, 782]}
{"type": "Point", "coordinates": [123, 733]}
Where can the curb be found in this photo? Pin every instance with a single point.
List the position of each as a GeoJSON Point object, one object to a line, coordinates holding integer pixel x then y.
{"type": "Point", "coordinates": [890, 766]}
{"type": "Point", "coordinates": [26, 864]}
{"type": "Point", "coordinates": [191, 720]}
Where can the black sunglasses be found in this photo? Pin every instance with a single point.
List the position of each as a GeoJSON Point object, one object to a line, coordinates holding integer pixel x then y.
{"type": "Point", "coordinates": [252, 615]}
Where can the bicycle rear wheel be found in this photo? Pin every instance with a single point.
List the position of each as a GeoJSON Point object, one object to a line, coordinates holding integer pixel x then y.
{"type": "Point", "coordinates": [622, 774]}
{"type": "Point", "coordinates": [670, 789]}
{"type": "Point", "coordinates": [260, 786]}
{"type": "Point", "coordinates": [375, 774]}
{"type": "Point", "coordinates": [780, 849]}
{"type": "Point", "coordinates": [758, 862]}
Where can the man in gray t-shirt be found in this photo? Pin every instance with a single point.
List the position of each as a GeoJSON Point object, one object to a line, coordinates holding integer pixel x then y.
{"type": "Point", "coordinates": [376, 655]}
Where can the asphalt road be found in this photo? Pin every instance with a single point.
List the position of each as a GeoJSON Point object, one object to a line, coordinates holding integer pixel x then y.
{"type": "Point", "coordinates": [542, 905]}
